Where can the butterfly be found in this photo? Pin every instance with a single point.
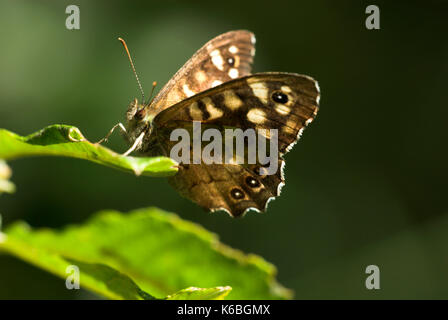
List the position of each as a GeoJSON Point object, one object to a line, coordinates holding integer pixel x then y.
{"type": "Point", "coordinates": [216, 88]}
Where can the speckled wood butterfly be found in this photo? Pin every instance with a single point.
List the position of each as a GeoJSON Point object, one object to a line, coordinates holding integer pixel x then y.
{"type": "Point", "coordinates": [215, 87]}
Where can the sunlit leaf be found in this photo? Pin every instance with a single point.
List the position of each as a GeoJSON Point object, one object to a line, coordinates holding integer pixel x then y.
{"type": "Point", "coordinates": [193, 293]}
{"type": "Point", "coordinates": [159, 251]}
{"type": "Point", "coordinates": [68, 141]}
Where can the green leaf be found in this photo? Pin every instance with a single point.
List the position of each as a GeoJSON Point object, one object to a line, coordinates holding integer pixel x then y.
{"type": "Point", "coordinates": [68, 141]}
{"type": "Point", "coordinates": [5, 174]}
{"type": "Point", "coordinates": [159, 251]}
{"type": "Point", "coordinates": [101, 278]}
{"type": "Point", "coordinates": [193, 293]}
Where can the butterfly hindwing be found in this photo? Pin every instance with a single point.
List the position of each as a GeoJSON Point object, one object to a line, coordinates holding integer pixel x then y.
{"type": "Point", "coordinates": [223, 58]}
{"type": "Point", "coordinates": [232, 188]}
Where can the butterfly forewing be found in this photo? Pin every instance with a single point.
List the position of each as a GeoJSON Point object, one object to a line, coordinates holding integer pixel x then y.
{"type": "Point", "coordinates": [223, 58]}
{"type": "Point", "coordinates": [283, 101]}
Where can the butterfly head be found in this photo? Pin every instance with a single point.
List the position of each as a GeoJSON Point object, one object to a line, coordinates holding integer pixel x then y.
{"type": "Point", "coordinates": [138, 119]}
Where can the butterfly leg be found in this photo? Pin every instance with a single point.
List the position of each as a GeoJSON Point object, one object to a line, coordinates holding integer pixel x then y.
{"type": "Point", "coordinates": [118, 125]}
{"type": "Point", "coordinates": [136, 144]}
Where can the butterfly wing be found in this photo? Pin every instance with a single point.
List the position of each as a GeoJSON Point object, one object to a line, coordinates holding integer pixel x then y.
{"type": "Point", "coordinates": [235, 189]}
{"type": "Point", "coordinates": [226, 57]}
{"type": "Point", "coordinates": [284, 101]}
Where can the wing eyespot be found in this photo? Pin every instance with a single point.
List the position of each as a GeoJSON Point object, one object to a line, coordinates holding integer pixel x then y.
{"type": "Point", "coordinates": [279, 97]}
{"type": "Point", "coordinates": [252, 182]}
{"type": "Point", "coordinates": [237, 194]}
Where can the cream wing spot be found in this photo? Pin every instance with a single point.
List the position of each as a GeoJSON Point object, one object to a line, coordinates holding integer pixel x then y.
{"type": "Point", "coordinates": [260, 90]}
{"type": "Point", "coordinates": [200, 76]}
{"type": "Point", "coordinates": [282, 109]}
{"type": "Point", "coordinates": [233, 73]}
{"type": "Point", "coordinates": [233, 49]}
{"type": "Point", "coordinates": [187, 91]}
{"type": "Point", "coordinates": [195, 112]}
{"type": "Point", "coordinates": [286, 89]}
{"type": "Point", "coordinates": [211, 109]}
{"type": "Point", "coordinates": [231, 100]}
{"type": "Point", "coordinates": [256, 116]}
{"type": "Point", "coordinates": [217, 59]}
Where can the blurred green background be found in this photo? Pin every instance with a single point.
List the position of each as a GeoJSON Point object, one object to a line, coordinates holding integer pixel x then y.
{"type": "Point", "coordinates": [367, 184]}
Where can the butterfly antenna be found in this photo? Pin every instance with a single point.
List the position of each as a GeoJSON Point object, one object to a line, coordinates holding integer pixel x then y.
{"type": "Point", "coordinates": [154, 84]}
{"type": "Point", "coordinates": [133, 68]}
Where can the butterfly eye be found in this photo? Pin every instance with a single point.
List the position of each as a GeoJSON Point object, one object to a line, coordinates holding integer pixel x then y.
{"type": "Point", "coordinates": [139, 115]}
{"type": "Point", "coordinates": [231, 61]}
{"type": "Point", "coordinates": [251, 182]}
{"type": "Point", "coordinates": [279, 97]}
{"type": "Point", "coordinates": [237, 193]}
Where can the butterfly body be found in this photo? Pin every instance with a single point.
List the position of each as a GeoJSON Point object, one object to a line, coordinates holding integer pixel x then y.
{"type": "Point", "coordinates": [215, 88]}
